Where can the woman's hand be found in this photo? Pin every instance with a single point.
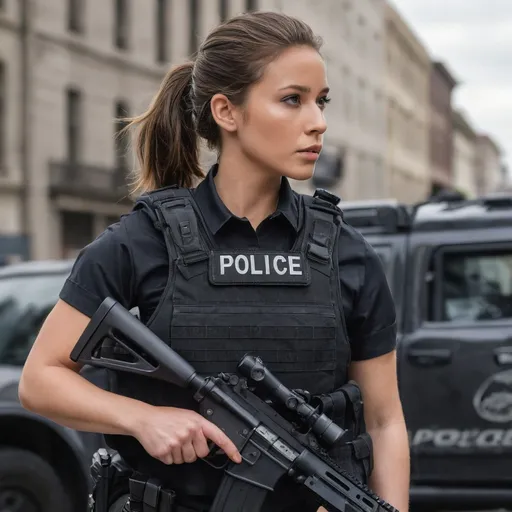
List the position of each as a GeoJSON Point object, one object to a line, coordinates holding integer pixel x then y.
{"type": "Point", "coordinates": [175, 436]}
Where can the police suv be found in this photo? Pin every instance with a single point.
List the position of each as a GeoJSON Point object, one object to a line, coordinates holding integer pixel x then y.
{"type": "Point", "coordinates": [449, 265]}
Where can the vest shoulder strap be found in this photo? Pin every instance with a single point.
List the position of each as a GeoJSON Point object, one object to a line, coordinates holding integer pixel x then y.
{"type": "Point", "coordinates": [172, 210]}
{"type": "Point", "coordinates": [322, 218]}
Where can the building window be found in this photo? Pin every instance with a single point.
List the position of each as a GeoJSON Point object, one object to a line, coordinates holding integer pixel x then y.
{"type": "Point", "coordinates": [75, 16]}
{"type": "Point", "coordinates": [161, 30]}
{"type": "Point", "coordinates": [121, 24]}
{"type": "Point", "coordinates": [74, 108]}
{"type": "Point", "coordinates": [251, 5]}
{"type": "Point", "coordinates": [121, 139]}
{"type": "Point", "coordinates": [223, 10]}
{"type": "Point", "coordinates": [194, 26]}
{"type": "Point", "coordinates": [77, 230]}
{"type": "Point", "coordinates": [3, 115]}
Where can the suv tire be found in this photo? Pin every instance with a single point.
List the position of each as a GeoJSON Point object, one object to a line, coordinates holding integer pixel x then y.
{"type": "Point", "coordinates": [28, 483]}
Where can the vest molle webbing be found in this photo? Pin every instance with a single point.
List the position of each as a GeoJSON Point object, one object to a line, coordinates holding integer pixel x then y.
{"type": "Point", "coordinates": [219, 305]}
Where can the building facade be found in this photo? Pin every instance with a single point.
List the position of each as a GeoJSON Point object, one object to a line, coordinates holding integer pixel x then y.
{"type": "Point", "coordinates": [408, 111]}
{"type": "Point", "coordinates": [489, 168]}
{"type": "Point", "coordinates": [352, 163]}
{"type": "Point", "coordinates": [69, 69]}
{"type": "Point", "coordinates": [464, 156]}
{"type": "Point", "coordinates": [442, 84]}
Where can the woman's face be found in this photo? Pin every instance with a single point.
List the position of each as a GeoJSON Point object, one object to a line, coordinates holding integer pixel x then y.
{"type": "Point", "coordinates": [282, 125]}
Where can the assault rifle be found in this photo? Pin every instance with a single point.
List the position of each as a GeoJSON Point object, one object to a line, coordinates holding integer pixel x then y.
{"type": "Point", "coordinates": [271, 446]}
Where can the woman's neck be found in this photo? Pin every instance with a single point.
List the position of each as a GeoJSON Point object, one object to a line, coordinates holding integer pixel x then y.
{"type": "Point", "coordinates": [247, 191]}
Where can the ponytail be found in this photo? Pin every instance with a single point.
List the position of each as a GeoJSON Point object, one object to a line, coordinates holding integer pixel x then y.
{"type": "Point", "coordinates": [167, 144]}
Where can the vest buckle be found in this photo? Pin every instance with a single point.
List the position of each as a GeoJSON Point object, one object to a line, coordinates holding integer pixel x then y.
{"type": "Point", "coordinates": [318, 252]}
{"type": "Point", "coordinates": [321, 193]}
{"type": "Point", "coordinates": [194, 257]}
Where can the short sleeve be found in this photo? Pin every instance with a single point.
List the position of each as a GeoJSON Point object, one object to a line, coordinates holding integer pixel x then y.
{"type": "Point", "coordinates": [102, 269]}
{"type": "Point", "coordinates": [372, 324]}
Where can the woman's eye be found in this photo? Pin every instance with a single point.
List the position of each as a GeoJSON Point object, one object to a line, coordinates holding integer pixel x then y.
{"type": "Point", "coordinates": [324, 101]}
{"type": "Point", "coordinates": [292, 100]}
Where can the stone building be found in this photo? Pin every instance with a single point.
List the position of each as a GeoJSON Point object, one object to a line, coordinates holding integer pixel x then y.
{"type": "Point", "coordinates": [489, 167]}
{"type": "Point", "coordinates": [464, 156]}
{"type": "Point", "coordinates": [408, 111]}
{"type": "Point", "coordinates": [442, 84]}
{"type": "Point", "coordinates": [70, 68]}
{"type": "Point", "coordinates": [353, 161]}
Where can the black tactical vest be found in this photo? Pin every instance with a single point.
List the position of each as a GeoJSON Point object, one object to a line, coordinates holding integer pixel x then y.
{"type": "Point", "coordinates": [222, 304]}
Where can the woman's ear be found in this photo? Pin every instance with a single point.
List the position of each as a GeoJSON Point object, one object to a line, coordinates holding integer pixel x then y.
{"type": "Point", "coordinates": [223, 112]}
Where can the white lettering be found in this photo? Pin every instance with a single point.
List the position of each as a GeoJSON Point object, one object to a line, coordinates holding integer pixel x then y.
{"type": "Point", "coordinates": [254, 270]}
{"type": "Point", "coordinates": [446, 438]}
{"type": "Point", "coordinates": [489, 438]}
{"type": "Point", "coordinates": [225, 261]}
{"type": "Point", "coordinates": [243, 258]}
{"type": "Point", "coordinates": [261, 264]}
{"type": "Point", "coordinates": [294, 262]}
{"type": "Point", "coordinates": [276, 268]}
{"type": "Point", "coordinates": [467, 438]}
{"type": "Point", "coordinates": [422, 436]}
{"type": "Point", "coordinates": [267, 265]}
{"type": "Point", "coordinates": [507, 438]}
{"type": "Point", "coordinates": [463, 439]}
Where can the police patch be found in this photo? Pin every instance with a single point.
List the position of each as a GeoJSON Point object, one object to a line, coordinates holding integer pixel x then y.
{"type": "Point", "coordinates": [259, 268]}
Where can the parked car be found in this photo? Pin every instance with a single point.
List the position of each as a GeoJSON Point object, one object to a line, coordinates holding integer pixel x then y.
{"type": "Point", "coordinates": [43, 466]}
{"type": "Point", "coordinates": [449, 265]}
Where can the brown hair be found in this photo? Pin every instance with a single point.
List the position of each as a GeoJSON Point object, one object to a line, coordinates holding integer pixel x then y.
{"type": "Point", "coordinates": [231, 58]}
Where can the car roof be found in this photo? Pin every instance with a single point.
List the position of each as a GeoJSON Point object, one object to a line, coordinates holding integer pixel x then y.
{"type": "Point", "coordinates": [389, 217]}
{"type": "Point", "coordinates": [485, 212]}
{"type": "Point", "coordinates": [37, 267]}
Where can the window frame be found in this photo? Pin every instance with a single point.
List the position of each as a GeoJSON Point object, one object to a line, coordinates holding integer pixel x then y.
{"type": "Point", "coordinates": [122, 18]}
{"type": "Point", "coordinates": [75, 16]}
{"type": "Point", "coordinates": [437, 269]}
{"type": "Point", "coordinates": [121, 142]}
{"type": "Point", "coordinates": [194, 13]}
{"type": "Point", "coordinates": [74, 124]}
{"type": "Point", "coordinates": [251, 5]}
{"type": "Point", "coordinates": [161, 32]}
{"type": "Point", "coordinates": [223, 10]}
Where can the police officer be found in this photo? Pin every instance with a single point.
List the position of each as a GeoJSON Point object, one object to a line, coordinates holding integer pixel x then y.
{"type": "Point", "coordinates": [237, 263]}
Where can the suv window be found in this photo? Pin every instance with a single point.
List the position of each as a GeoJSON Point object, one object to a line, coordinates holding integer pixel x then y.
{"type": "Point", "coordinates": [474, 286]}
{"type": "Point", "coordinates": [25, 301]}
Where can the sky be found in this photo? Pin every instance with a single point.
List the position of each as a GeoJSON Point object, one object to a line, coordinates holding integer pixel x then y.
{"type": "Point", "coordinates": [474, 40]}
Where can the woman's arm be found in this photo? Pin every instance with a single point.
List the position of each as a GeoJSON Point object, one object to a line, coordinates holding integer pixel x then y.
{"type": "Point", "coordinates": [385, 423]}
{"type": "Point", "coordinates": [50, 384]}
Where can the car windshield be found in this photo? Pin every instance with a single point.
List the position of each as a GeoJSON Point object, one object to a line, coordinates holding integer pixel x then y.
{"type": "Point", "coordinates": [25, 301]}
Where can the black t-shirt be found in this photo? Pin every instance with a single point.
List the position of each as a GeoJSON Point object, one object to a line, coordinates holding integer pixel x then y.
{"type": "Point", "coordinates": [129, 263]}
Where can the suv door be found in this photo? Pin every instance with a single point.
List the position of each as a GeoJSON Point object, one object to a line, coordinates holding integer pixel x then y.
{"type": "Point", "coordinates": [455, 361]}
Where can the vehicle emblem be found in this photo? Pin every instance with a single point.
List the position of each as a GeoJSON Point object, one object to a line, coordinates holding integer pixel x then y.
{"type": "Point", "coordinates": [493, 400]}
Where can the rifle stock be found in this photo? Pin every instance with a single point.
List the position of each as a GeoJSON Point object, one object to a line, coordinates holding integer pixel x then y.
{"type": "Point", "coordinates": [270, 445]}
